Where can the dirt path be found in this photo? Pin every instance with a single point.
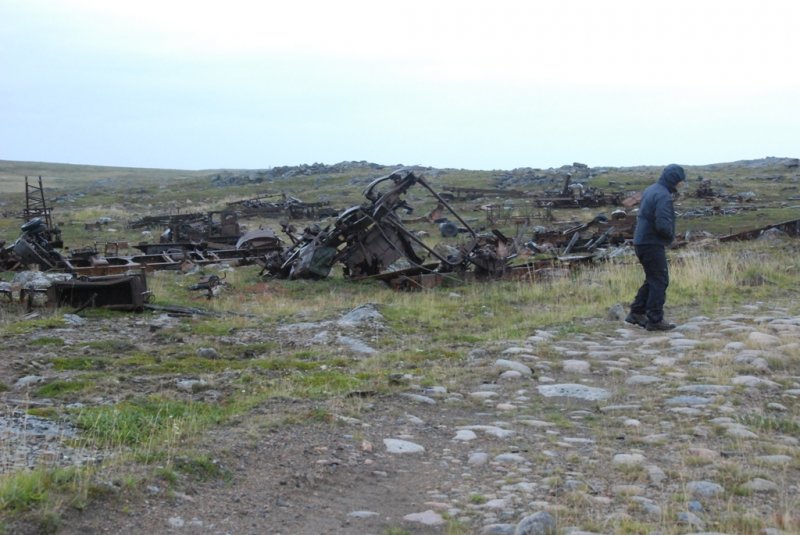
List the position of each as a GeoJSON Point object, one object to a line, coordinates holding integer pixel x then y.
{"type": "Point", "coordinates": [304, 479]}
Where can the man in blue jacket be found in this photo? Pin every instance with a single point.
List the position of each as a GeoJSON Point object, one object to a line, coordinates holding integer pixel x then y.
{"type": "Point", "coordinates": [655, 230]}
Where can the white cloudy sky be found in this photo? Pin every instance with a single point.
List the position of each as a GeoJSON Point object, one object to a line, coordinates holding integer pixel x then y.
{"type": "Point", "coordinates": [447, 83]}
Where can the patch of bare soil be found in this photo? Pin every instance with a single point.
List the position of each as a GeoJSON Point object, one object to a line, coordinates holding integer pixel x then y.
{"type": "Point", "coordinates": [325, 478]}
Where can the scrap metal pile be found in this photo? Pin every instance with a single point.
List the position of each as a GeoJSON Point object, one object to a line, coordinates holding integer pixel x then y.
{"type": "Point", "coordinates": [285, 206]}
{"type": "Point", "coordinates": [367, 241]}
{"type": "Point", "coordinates": [370, 240]}
{"type": "Point", "coordinates": [33, 248]}
{"type": "Point", "coordinates": [218, 227]}
{"type": "Point", "coordinates": [571, 195]}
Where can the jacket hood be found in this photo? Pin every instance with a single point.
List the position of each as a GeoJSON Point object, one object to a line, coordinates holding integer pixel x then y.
{"type": "Point", "coordinates": [671, 176]}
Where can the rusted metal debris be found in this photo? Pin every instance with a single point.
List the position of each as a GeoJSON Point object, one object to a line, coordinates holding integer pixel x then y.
{"type": "Point", "coordinates": [371, 242]}
{"type": "Point", "coordinates": [210, 284]}
{"type": "Point", "coordinates": [119, 292]}
{"type": "Point", "coordinates": [791, 228]}
{"type": "Point", "coordinates": [34, 289]}
{"type": "Point", "coordinates": [186, 230]}
{"type": "Point", "coordinates": [705, 190]}
{"type": "Point", "coordinates": [36, 208]}
{"type": "Point", "coordinates": [571, 195]}
{"type": "Point", "coordinates": [368, 239]}
{"type": "Point", "coordinates": [33, 249]}
{"type": "Point", "coordinates": [282, 205]}
{"type": "Point", "coordinates": [585, 238]}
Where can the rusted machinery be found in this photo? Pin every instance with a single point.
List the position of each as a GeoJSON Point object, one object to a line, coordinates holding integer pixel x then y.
{"type": "Point", "coordinates": [184, 231]}
{"type": "Point", "coordinates": [368, 239]}
{"type": "Point", "coordinates": [32, 248]}
{"type": "Point", "coordinates": [282, 205]}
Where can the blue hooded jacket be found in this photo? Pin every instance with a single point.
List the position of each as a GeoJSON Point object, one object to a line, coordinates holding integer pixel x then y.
{"type": "Point", "coordinates": [655, 224]}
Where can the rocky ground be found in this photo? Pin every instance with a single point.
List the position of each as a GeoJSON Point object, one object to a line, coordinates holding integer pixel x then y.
{"type": "Point", "coordinates": [616, 431]}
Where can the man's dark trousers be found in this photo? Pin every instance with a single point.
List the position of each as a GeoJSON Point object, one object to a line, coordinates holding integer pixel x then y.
{"type": "Point", "coordinates": [651, 296]}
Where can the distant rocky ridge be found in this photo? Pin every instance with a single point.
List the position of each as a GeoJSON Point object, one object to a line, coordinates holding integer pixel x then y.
{"type": "Point", "coordinates": [522, 176]}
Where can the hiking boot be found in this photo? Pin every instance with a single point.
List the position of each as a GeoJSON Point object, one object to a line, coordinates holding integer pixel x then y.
{"type": "Point", "coordinates": [659, 326]}
{"type": "Point", "coordinates": [636, 319]}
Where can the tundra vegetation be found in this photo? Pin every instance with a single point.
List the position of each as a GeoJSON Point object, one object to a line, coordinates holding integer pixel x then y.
{"type": "Point", "coordinates": [148, 433]}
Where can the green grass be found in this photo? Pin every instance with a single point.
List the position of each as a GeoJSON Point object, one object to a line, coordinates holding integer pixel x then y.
{"type": "Point", "coordinates": [201, 468]}
{"type": "Point", "coordinates": [60, 388]}
{"type": "Point", "coordinates": [782, 424]}
{"type": "Point", "coordinates": [147, 421]}
{"type": "Point", "coordinates": [31, 326]}
{"type": "Point", "coordinates": [325, 383]}
{"type": "Point", "coordinates": [27, 490]}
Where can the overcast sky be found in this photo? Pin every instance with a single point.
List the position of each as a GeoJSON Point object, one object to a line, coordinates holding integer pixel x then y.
{"type": "Point", "coordinates": [446, 83]}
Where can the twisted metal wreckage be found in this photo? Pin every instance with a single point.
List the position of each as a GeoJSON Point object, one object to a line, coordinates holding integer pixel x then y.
{"type": "Point", "coordinates": [370, 241]}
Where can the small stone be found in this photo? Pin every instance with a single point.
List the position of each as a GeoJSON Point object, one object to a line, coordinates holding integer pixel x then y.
{"type": "Point", "coordinates": [497, 503]}
{"type": "Point", "coordinates": [705, 489]}
{"type": "Point", "coordinates": [634, 380]}
{"type": "Point", "coordinates": [73, 319]}
{"type": "Point", "coordinates": [478, 458]}
{"type": "Point", "coordinates": [704, 453]}
{"type": "Point", "coordinates": [763, 339]}
{"type": "Point", "coordinates": [760, 485]}
{"type": "Point", "coordinates": [584, 392]}
{"type": "Point", "coordinates": [774, 460]}
{"type": "Point", "coordinates": [656, 475]}
{"type": "Point", "coordinates": [510, 375]}
{"type": "Point", "coordinates": [465, 435]}
{"type": "Point", "coordinates": [510, 458]}
{"type": "Point", "coordinates": [628, 459]}
{"type": "Point", "coordinates": [491, 430]}
{"type": "Point", "coordinates": [690, 519]}
{"type": "Point", "coordinates": [419, 398]}
{"type": "Point", "coordinates": [576, 366]}
{"type": "Point", "coordinates": [362, 514]}
{"type": "Point", "coordinates": [427, 518]}
{"type": "Point", "coordinates": [28, 380]}
{"type": "Point", "coordinates": [695, 506]}
{"type": "Point", "coordinates": [541, 523]}
{"type": "Point", "coordinates": [739, 431]}
{"type": "Point", "coordinates": [498, 529]}
{"type": "Point", "coordinates": [688, 400]}
{"type": "Point", "coordinates": [504, 364]}
{"type": "Point", "coordinates": [753, 381]}
{"type": "Point", "coordinates": [394, 445]}
{"type": "Point", "coordinates": [207, 353]}
{"type": "Point", "coordinates": [705, 389]}
{"type": "Point", "coordinates": [483, 394]}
